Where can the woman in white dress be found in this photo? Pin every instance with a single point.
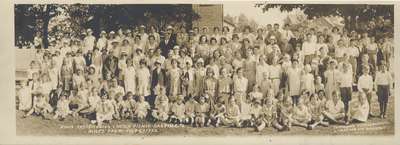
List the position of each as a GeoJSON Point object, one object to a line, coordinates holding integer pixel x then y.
{"type": "Point", "coordinates": [130, 77]}
{"type": "Point", "coordinates": [173, 76]}
{"type": "Point", "coordinates": [143, 79]}
{"type": "Point", "coordinates": [360, 109]}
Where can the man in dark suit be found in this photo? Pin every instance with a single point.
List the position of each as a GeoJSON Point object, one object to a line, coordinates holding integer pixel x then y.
{"type": "Point", "coordinates": [110, 67]}
{"type": "Point", "coordinates": [158, 78]}
{"type": "Point", "coordinates": [168, 42]}
{"type": "Point", "coordinates": [294, 41]}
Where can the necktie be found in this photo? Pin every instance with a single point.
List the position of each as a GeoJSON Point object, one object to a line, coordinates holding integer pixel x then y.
{"type": "Point", "coordinates": [103, 107]}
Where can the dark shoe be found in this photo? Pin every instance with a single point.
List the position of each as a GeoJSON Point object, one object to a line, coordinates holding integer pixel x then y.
{"type": "Point", "coordinates": [370, 116]}
{"type": "Point", "coordinates": [309, 127]}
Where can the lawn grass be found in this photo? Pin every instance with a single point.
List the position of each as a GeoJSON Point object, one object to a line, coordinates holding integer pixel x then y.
{"type": "Point", "coordinates": [36, 126]}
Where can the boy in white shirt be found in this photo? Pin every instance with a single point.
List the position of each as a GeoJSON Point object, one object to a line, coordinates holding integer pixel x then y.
{"type": "Point", "coordinates": [366, 85]}
{"type": "Point", "coordinates": [383, 80]}
{"type": "Point", "coordinates": [345, 86]}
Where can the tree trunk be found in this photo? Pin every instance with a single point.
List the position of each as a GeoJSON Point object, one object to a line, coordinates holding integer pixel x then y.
{"type": "Point", "coordinates": [45, 32]}
{"type": "Point", "coordinates": [95, 24]}
{"type": "Point", "coordinates": [46, 20]}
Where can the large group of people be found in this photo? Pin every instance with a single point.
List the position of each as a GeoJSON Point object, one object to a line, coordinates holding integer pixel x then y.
{"type": "Point", "coordinates": [259, 77]}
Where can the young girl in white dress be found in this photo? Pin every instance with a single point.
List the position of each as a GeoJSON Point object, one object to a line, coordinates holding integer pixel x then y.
{"type": "Point", "coordinates": [24, 97]}
{"type": "Point", "coordinates": [130, 77]}
{"type": "Point", "coordinates": [62, 110]}
{"type": "Point", "coordinates": [143, 79]}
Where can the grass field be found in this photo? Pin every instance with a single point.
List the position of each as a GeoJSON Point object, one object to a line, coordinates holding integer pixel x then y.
{"type": "Point", "coordinates": [36, 126]}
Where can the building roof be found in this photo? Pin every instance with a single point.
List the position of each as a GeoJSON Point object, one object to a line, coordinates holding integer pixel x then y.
{"type": "Point", "coordinates": [229, 22]}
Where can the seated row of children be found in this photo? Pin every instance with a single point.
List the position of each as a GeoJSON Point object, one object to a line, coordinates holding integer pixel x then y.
{"type": "Point", "coordinates": [312, 109]}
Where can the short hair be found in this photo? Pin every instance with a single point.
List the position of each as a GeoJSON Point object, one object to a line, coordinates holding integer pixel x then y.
{"type": "Point", "coordinates": [138, 36]}
{"type": "Point", "coordinates": [142, 61]}
{"type": "Point", "coordinates": [235, 36]}
{"type": "Point", "coordinates": [213, 38]}
{"type": "Point", "coordinates": [151, 36]}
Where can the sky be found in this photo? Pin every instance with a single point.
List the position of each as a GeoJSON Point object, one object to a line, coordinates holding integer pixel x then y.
{"type": "Point", "coordinates": [247, 8]}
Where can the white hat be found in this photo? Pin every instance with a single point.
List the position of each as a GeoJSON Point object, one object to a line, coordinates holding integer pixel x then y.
{"type": "Point", "coordinates": [272, 37]}
{"type": "Point", "coordinates": [158, 61]}
{"type": "Point", "coordinates": [103, 32]}
{"type": "Point", "coordinates": [89, 30]}
{"type": "Point", "coordinates": [176, 47]}
{"type": "Point", "coordinates": [142, 26]}
{"type": "Point", "coordinates": [200, 60]}
{"type": "Point", "coordinates": [169, 27]}
{"type": "Point", "coordinates": [112, 32]}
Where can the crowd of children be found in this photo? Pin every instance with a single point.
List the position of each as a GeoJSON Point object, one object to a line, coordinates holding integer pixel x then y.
{"type": "Point", "coordinates": [272, 77]}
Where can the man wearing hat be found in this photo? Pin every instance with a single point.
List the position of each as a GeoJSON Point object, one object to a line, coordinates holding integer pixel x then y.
{"type": "Point", "coordinates": [143, 35]}
{"type": "Point", "coordinates": [102, 41]}
{"type": "Point", "coordinates": [168, 41]}
{"type": "Point", "coordinates": [88, 41]}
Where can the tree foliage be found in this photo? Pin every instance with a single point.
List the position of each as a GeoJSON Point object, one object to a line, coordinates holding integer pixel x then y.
{"type": "Point", "coordinates": [350, 12]}
{"type": "Point", "coordinates": [30, 19]}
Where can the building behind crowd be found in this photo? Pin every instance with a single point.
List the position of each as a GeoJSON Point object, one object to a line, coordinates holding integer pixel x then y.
{"type": "Point", "coordinates": [210, 15]}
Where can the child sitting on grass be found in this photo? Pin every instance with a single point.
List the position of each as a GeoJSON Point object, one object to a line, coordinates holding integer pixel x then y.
{"type": "Point", "coordinates": [62, 110]}
{"type": "Point", "coordinates": [162, 107]}
{"type": "Point", "coordinates": [40, 107]}
{"type": "Point", "coordinates": [104, 110]}
{"type": "Point", "coordinates": [201, 112]}
{"type": "Point", "coordinates": [190, 111]}
{"type": "Point", "coordinates": [232, 114]}
{"type": "Point", "coordinates": [142, 108]}
{"type": "Point", "coordinates": [178, 111]}
{"type": "Point", "coordinates": [217, 114]}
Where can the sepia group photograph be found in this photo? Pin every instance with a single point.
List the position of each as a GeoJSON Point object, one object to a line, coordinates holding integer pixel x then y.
{"type": "Point", "coordinates": [214, 69]}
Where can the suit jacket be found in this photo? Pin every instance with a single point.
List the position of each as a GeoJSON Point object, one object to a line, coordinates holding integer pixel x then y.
{"type": "Point", "coordinates": [158, 78]}
{"type": "Point", "coordinates": [167, 46]}
{"type": "Point", "coordinates": [110, 67]}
